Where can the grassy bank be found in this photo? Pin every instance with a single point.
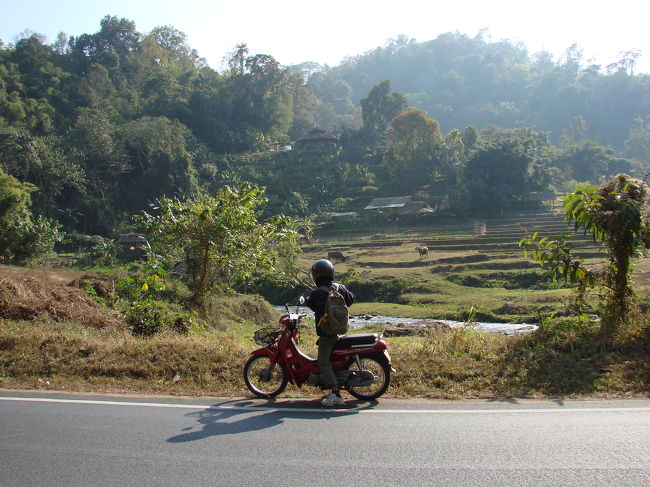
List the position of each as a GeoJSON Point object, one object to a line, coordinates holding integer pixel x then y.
{"type": "Point", "coordinates": [62, 340]}
{"type": "Point", "coordinates": [562, 359]}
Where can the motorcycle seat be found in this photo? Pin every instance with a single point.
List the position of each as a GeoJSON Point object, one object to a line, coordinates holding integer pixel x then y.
{"type": "Point", "coordinates": [358, 339]}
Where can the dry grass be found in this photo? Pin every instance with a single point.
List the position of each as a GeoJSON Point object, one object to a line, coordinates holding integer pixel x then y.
{"type": "Point", "coordinates": [30, 298]}
{"type": "Point", "coordinates": [48, 354]}
{"type": "Point", "coordinates": [448, 364]}
{"type": "Point", "coordinates": [562, 360]}
{"type": "Point", "coordinates": [47, 274]}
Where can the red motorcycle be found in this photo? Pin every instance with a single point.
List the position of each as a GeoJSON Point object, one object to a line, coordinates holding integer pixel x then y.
{"type": "Point", "coordinates": [361, 362]}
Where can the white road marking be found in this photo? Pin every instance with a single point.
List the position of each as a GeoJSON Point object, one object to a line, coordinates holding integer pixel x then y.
{"type": "Point", "coordinates": [335, 410]}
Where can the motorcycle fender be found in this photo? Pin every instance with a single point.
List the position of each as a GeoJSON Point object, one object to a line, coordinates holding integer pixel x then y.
{"type": "Point", "coordinates": [387, 355]}
{"type": "Point", "coordinates": [272, 354]}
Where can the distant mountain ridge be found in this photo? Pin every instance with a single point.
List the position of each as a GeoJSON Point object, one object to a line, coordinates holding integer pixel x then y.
{"type": "Point", "coordinates": [461, 81]}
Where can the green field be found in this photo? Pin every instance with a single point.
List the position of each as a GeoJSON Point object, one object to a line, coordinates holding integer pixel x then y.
{"type": "Point", "coordinates": [486, 275]}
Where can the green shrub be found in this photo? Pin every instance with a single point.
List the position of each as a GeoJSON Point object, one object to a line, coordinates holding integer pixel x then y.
{"type": "Point", "coordinates": [378, 290]}
{"type": "Point", "coordinates": [146, 318]}
{"type": "Point", "coordinates": [149, 317]}
{"type": "Point", "coordinates": [224, 311]}
{"type": "Point", "coordinates": [528, 279]}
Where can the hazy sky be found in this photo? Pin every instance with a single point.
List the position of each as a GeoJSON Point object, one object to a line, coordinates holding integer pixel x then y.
{"type": "Point", "coordinates": [294, 31]}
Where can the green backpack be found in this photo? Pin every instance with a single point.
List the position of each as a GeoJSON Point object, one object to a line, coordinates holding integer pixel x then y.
{"type": "Point", "coordinates": [336, 315]}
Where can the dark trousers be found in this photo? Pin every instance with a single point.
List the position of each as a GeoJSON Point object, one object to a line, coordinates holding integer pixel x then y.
{"type": "Point", "coordinates": [325, 345]}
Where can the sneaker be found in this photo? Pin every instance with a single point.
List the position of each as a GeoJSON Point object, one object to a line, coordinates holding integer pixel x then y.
{"type": "Point", "coordinates": [333, 400]}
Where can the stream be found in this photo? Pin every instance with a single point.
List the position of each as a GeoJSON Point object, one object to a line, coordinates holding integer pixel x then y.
{"type": "Point", "coordinates": [361, 321]}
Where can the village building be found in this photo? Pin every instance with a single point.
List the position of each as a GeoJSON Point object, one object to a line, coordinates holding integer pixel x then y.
{"type": "Point", "coordinates": [319, 138]}
{"type": "Point", "coordinates": [415, 208]}
{"type": "Point", "coordinates": [400, 206]}
{"type": "Point", "coordinates": [278, 146]}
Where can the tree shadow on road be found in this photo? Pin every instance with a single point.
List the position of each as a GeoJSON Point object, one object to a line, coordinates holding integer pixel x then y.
{"type": "Point", "coordinates": [235, 417]}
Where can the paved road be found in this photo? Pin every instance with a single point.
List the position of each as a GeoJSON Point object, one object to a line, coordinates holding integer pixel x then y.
{"type": "Point", "coordinates": [63, 439]}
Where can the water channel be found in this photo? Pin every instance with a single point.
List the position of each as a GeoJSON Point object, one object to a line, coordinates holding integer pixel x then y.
{"type": "Point", "coordinates": [361, 321]}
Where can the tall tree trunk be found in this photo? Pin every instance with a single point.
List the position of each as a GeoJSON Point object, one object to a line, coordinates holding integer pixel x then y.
{"type": "Point", "coordinates": [199, 287]}
{"type": "Point", "coordinates": [618, 307]}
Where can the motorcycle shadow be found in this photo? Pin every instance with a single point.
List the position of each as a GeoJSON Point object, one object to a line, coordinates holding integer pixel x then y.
{"type": "Point", "coordinates": [236, 417]}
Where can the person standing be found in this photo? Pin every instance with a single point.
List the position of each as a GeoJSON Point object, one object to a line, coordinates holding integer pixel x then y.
{"type": "Point", "coordinates": [322, 272]}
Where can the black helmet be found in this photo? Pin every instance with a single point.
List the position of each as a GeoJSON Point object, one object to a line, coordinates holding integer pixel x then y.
{"type": "Point", "coordinates": [322, 268]}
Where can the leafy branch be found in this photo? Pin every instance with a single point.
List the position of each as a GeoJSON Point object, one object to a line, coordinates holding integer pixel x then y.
{"type": "Point", "coordinates": [557, 257]}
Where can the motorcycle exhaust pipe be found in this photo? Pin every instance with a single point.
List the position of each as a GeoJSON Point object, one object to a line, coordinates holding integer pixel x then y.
{"type": "Point", "coordinates": [354, 378]}
{"type": "Point", "coordinates": [361, 378]}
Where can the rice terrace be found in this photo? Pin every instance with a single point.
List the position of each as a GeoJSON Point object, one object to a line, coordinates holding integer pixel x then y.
{"type": "Point", "coordinates": [463, 270]}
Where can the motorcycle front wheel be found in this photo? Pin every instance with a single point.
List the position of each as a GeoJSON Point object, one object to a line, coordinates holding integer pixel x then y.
{"type": "Point", "coordinates": [264, 378]}
{"type": "Point", "coordinates": [380, 369]}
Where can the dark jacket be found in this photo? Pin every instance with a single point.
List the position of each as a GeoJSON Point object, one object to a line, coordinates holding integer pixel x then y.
{"type": "Point", "coordinates": [317, 298]}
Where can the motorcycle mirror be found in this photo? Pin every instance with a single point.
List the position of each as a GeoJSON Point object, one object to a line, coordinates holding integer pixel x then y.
{"type": "Point", "coordinates": [301, 300]}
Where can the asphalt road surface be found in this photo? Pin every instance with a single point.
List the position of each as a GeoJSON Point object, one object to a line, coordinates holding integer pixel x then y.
{"type": "Point", "coordinates": [64, 439]}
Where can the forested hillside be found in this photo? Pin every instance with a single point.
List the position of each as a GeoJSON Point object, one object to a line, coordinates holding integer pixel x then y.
{"type": "Point", "coordinates": [463, 81]}
{"type": "Point", "coordinates": [96, 128]}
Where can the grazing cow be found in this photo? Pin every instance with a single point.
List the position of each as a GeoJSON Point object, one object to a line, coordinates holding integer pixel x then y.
{"type": "Point", "coordinates": [335, 255]}
{"type": "Point", "coordinates": [423, 251]}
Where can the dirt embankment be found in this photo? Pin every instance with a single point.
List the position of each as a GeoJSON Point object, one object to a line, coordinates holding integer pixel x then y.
{"type": "Point", "coordinates": [30, 294]}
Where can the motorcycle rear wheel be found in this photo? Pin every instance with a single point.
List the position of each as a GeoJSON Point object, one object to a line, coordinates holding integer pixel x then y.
{"type": "Point", "coordinates": [380, 369]}
{"type": "Point", "coordinates": [257, 379]}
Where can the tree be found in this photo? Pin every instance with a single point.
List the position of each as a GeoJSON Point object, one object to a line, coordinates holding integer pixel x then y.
{"type": "Point", "coordinates": [42, 162]}
{"type": "Point", "coordinates": [15, 201]}
{"type": "Point", "coordinates": [577, 132]}
{"type": "Point", "coordinates": [637, 145]}
{"type": "Point", "coordinates": [304, 104]}
{"type": "Point", "coordinates": [18, 154]}
{"type": "Point", "coordinates": [21, 237]}
{"type": "Point", "coordinates": [505, 167]}
{"type": "Point", "coordinates": [255, 104]}
{"type": "Point", "coordinates": [270, 95]}
{"type": "Point", "coordinates": [415, 139]}
{"type": "Point", "coordinates": [161, 162]}
{"type": "Point", "coordinates": [237, 59]}
{"type": "Point", "coordinates": [94, 144]}
{"type": "Point", "coordinates": [223, 239]}
{"type": "Point", "coordinates": [615, 214]}
{"type": "Point", "coordinates": [453, 156]}
{"type": "Point", "coordinates": [471, 138]}
{"type": "Point", "coordinates": [39, 75]}
{"type": "Point", "coordinates": [589, 161]}
{"type": "Point", "coordinates": [381, 106]}
{"type": "Point", "coordinates": [95, 136]}
{"type": "Point", "coordinates": [111, 46]}
{"type": "Point", "coordinates": [177, 52]}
